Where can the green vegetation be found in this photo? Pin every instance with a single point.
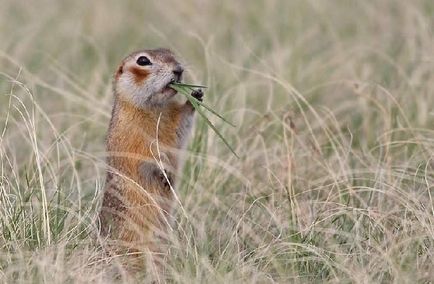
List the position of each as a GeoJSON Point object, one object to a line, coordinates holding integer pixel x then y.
{"type": "Point", "coordinates": [334, 112]}
{"type": "Point", "coordinates": [186, 89]}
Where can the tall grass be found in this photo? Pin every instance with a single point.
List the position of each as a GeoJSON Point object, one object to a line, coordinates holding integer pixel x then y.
{"type": "Point", "coordinates": [334, 107]}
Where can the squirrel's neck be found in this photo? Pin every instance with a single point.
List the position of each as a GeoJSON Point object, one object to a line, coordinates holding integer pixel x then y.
{"type": "Point", "coordinates": [126, 107]}
{"type": "Point", "coordinates": [128, 118]}
{"type": "Point", "coordinates": [130, 124]}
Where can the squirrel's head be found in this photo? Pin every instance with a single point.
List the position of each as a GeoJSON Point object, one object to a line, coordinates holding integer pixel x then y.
{"type": "Point", "coordinates": [143, 77]}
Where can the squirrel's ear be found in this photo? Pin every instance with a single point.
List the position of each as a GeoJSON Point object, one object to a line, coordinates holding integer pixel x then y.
{"type": "Point", "coordinates": [119, 71]}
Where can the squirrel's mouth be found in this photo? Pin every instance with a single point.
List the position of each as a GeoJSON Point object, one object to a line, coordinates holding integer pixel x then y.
{"type": "Point", "coordinates": [175, 80]}
{"type": "Point", "coordinates": [168, 89]}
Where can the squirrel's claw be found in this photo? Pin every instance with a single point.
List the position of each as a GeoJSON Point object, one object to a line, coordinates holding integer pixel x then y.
{"type": "Point", "coordinates": [166, 182]}
{"type": "Point", "coordinates": [197, 94]}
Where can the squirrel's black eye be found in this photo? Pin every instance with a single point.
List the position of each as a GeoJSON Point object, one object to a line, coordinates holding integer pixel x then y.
{"type": "Point", "coordinates": [143, 60]}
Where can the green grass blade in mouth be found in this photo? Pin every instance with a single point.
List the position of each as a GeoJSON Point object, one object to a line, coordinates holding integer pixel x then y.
{"type": "Point", "coordinates": [211, 110]}
{"type": "Point", "coordinates": [214, 112]}
{"type": "Point", "coordinates": [189, 85]}
{"type": "Point", "coordinates": [185, 90]}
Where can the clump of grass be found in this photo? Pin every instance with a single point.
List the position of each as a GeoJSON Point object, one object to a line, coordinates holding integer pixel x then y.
{"type": "Point", "coordinates": [186, 89]}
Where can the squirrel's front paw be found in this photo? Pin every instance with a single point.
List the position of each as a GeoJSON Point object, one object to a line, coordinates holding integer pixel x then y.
{"type": "Point", "coordinates": [166, 182]}
{"type": "Point", "coordinates": [197, 94]}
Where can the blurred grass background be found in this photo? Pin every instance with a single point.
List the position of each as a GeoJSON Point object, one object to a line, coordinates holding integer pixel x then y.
{"type": "Point", "coordinates": [334, 107]}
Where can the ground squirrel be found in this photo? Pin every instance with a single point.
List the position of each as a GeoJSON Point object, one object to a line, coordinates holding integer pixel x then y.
{"type": "Point", "coordinates": [147, 130]}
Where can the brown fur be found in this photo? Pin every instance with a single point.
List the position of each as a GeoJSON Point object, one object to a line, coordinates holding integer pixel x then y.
{"type": "Point", "coordinates": [130, 196]}
{"type": "Point", "coordinates": [140, 75]}
{"type": "Point", "coordinates": [138, 200]}
{"type": "Point", "coordinates": [119, 72]}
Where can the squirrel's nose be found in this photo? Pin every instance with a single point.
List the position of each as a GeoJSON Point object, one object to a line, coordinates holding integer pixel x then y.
{"type": "Point", "coordinates": [178, 71]}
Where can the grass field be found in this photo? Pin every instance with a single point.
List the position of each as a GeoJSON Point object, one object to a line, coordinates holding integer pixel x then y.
{"type": "Point", "coordinates": [333, 103]}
